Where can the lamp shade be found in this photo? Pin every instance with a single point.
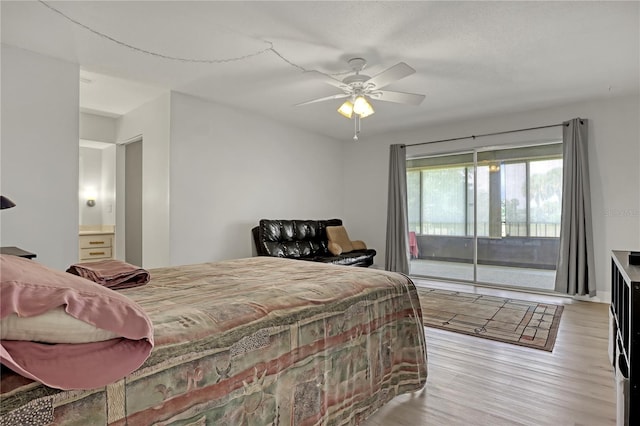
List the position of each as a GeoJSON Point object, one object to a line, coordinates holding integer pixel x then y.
{"type": "Point", "coordinates": [362, 107]}
{"type": "Point", "coordinates": [6, 203]}
{"type": "Point", "coordinates": [346, 109]}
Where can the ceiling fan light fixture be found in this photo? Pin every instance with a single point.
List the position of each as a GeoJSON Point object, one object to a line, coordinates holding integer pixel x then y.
{"type": "Point", "coordinates": [360, 89]}
{"type": "Point", "coordinates": [346, 109]}
{"type": "Point", "coordinates": [362, 107]}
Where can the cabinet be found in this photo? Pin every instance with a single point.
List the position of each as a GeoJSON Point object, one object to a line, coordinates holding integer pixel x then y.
{"type": "Point", "coordinates": [96, 244]}
{"type": "Point", "coordinates": [625, 336]}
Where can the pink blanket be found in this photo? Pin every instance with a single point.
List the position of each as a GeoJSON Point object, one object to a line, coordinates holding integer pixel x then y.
{"type": "Point", "coordinates": [113, 274]}
{"type": "Point", "coordinates": [28, 289]}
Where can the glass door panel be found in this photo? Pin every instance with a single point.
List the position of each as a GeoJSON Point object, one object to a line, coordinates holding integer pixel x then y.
{"type": "Point", "coordinates": [441, 217]}
{"type": "Point", "coordinates": [518, 187]}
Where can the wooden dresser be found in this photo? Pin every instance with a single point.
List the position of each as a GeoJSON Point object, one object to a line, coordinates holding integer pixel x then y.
{"type": "Point", "coordinates": [96, 242]}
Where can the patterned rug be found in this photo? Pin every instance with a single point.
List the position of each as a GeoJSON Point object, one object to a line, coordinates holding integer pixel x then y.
{"type": "Point", "coordinates": [520, 322]}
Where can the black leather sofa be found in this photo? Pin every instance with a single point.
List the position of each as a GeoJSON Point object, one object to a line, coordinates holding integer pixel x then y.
{"type": "Point", "coordinates": [304, 240]}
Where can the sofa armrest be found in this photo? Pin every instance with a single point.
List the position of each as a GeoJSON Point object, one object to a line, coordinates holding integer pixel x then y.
{"type": "Point", "coordinates": [260, 251]}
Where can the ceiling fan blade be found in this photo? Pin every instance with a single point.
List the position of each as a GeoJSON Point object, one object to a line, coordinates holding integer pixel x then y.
{"type": "Point", "coordinates": [398, 97]}
{"type": "Point", "coordinates": [396, 72]}
{"type": "Point", "coordinates": [326, 98]}
{"type": "Point", "coordinates": [328, 79]}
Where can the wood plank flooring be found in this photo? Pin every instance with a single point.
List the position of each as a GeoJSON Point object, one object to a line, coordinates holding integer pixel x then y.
{"type": "Point", "coordinates": [474, 381]}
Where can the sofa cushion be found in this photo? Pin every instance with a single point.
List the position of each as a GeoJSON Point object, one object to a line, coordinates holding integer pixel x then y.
{"type": "Point", "coordinates": [354, 258]}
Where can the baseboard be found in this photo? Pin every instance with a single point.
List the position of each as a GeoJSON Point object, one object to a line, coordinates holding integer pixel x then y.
{"type": "Point", "coordinates": [601, 297]}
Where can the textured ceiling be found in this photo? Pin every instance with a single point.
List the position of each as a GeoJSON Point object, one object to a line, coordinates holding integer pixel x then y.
{"type": "Point", "coordinates": [471, 58]}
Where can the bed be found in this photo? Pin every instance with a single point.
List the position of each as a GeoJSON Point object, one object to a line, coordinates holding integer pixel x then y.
{"type": "Point", "coordinates": [256, 341]}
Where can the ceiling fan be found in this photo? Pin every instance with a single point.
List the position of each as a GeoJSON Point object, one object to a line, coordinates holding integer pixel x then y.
{"type": "Point", "coordinates": [360, 88]}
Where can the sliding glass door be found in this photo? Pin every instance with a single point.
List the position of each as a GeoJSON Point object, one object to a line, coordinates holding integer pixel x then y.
{"type": "Point", "coordinates": [487, 216]}
{"type": "Point", "coordinates": [440, 206]}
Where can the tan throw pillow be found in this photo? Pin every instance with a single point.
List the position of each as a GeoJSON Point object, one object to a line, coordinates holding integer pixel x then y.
{"type": "Point", "coordinates": [358, 245]}
{"type": "Point", "coordinates": [338, 235]}
{"type": "Point", "coordinates": [335, 249]}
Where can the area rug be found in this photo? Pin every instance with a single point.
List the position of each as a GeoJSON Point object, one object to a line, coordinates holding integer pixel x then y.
{"type": "Point", "coordinates": [520, 322]}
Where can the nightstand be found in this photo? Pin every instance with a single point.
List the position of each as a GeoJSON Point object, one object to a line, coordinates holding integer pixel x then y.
{"type": "Point", "coordinates": [96, 244]}
{"type": "Point", "coordinates": [15, 251]}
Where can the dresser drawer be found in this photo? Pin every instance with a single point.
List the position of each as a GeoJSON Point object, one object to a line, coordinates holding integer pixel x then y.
{"type": "Point", "coordinates": [92, 241]}
{"type": "Point", "coordinates": [95, 253]}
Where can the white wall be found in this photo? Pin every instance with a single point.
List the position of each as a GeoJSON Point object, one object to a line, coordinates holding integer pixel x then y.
{"type": "Point", "coordinates": [95, 127]}
{"type": "Point", "coordinates": [151, 121]}
{"type": "Point", "coordinates": [230, 169]}
{"type": "Point", "coordinates": [614, 151]}
{"type": "Point", "coordinates": [39, 156]}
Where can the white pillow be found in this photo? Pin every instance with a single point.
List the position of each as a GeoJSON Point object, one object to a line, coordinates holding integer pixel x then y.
{"type": "Point", "coordinates": [54, 326]}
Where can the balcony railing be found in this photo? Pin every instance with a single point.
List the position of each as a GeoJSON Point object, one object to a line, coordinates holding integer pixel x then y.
{"type": "Point", "coordinates": [509, 229]}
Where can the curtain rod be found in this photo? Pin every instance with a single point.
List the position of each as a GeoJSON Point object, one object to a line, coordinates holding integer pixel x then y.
{"type": "Point", "coordinates": [486, 134]}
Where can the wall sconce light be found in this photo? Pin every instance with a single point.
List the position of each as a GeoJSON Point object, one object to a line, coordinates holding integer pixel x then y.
{"type": "Point", "coordinates": [90, 195]}
{"type": "Point", "coordinates": [494, 168]}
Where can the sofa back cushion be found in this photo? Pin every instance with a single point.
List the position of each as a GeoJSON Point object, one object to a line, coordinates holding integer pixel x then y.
{"type": "Point", "coordinates": [293, 238]}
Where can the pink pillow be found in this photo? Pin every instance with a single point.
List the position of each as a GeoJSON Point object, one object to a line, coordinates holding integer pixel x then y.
{"type": "Point", "coordinates": [29, 289]}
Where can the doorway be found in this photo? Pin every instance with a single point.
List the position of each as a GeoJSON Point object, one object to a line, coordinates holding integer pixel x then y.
{"type": "Point", "coordinates": [110, 175]}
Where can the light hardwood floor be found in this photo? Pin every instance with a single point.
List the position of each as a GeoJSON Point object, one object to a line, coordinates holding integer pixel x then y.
{"type": "Point", "coordinates": [474, 381]}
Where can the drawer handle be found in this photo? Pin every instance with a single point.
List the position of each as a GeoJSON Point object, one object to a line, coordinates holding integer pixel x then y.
{"type": "Point", "coordinates": [96, 253]}
{"type": "Point", "coordinates": [96, 242]}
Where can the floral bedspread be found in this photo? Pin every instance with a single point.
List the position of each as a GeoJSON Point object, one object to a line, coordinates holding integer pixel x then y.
{"type": "Point", "coordinates": [257, 341]}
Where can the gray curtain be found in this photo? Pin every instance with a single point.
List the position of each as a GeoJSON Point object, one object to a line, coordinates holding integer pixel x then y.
{"type": "Point", "coordinates": [575, 272]}
{"type": "Point", "coordinates": [397, 247]}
